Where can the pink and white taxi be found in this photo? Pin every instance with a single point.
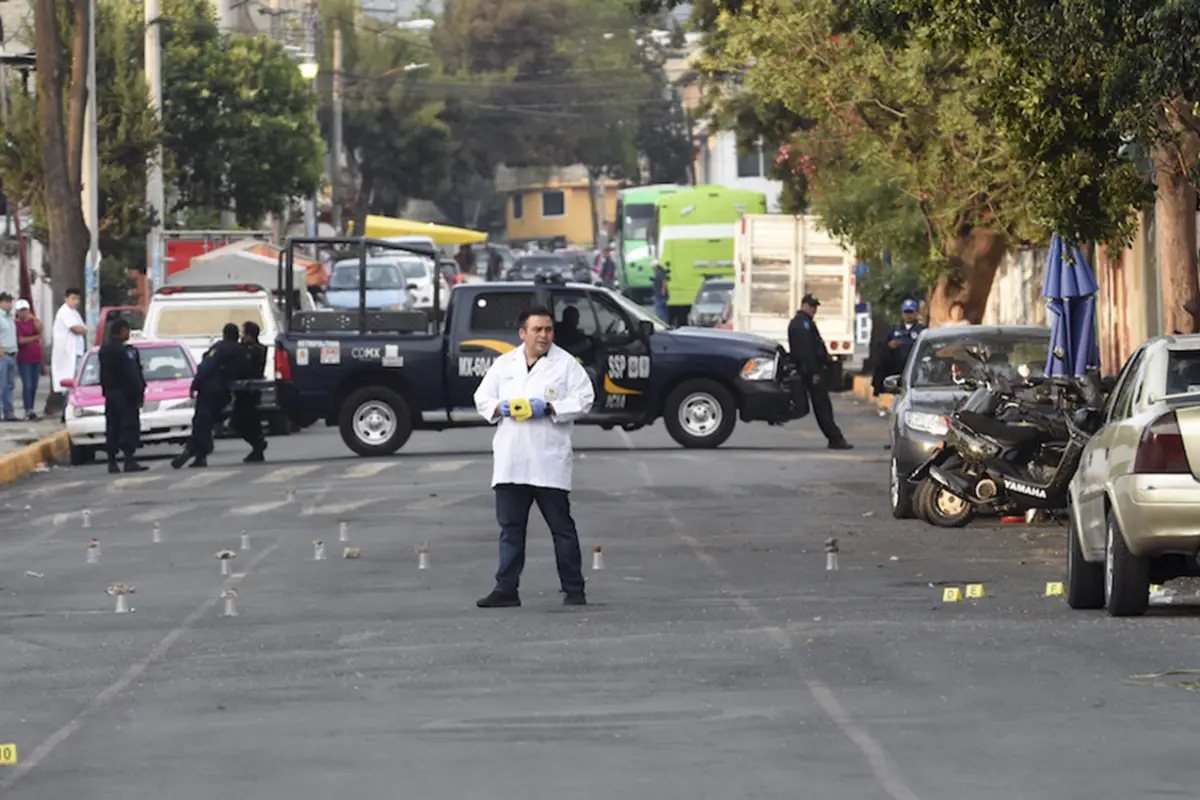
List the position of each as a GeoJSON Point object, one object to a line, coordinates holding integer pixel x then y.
{"type": "Point", "coordinates": [166, 416]}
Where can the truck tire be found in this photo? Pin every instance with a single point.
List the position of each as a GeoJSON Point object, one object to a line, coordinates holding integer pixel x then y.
{"type": "Point", "coordinates": [700, 414]}
{"type": "Point", "coordinates": [375, 421]}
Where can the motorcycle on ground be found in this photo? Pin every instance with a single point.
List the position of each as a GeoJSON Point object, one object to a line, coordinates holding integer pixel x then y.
{"type": "Point", "coordinates": [1009, 448]}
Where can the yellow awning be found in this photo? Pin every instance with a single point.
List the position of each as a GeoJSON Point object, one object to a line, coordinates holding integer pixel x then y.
{"type": "Point", "coordinates": [384, 227]}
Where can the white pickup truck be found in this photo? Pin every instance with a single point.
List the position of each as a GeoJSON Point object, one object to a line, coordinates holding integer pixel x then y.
{"type": "Point", "coordinates": [778, 259]}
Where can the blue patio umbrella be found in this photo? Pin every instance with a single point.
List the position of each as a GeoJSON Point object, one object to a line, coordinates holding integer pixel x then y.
{"type": "Point", "coordinates": [1071, 291]}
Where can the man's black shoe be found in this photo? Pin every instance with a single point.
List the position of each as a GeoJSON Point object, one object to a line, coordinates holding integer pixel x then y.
{"type": "Point", "coordinates": [575, 599]}
{"type": "Point", "coordinates": [132, 465]}
{"type": "Point", "coordinates": [500, 600]}
{"type": "Point", "coordinates": [842, 445]}
{"type": "Point", "coordinates": [114, 468]}
{"type": "Point", "coordinates": [178, 461]}
{"type": "Point", "coordinates": [201, 461]}
{"type": "Point", "coordinates": [256, 455]}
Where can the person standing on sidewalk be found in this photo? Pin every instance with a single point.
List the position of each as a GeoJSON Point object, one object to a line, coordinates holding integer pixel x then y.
{"type": "Point", "coordinates": [811, 360]}
{"type": "Point", "coordinates": [534, 393]}
{"type": "Point", "coordinates": [29, 355]}
{"type": "Point", "coordinates": [8, 358]}
{"type": "Point", "coordinates": [124, 387]}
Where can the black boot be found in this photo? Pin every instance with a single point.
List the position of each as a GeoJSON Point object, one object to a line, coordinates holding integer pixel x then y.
{"type": "Point", "coordinates": [200, 461]}
{"type": "Point", "coordinates": [500, 600]}
{"type": "Point", "coordinates": [256, 454]}
{"type": "Point", "coordinates": [131, 465]}
{"type": "Point", "coordinates": [113, 467]}
{"type": "Point", "coordinates": [178, 461]}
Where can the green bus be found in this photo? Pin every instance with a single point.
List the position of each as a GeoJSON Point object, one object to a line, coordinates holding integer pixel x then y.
{"type": "Point", "coordinates": [635, 210]}
{"type": "Point", "coordinates": [692, 236]}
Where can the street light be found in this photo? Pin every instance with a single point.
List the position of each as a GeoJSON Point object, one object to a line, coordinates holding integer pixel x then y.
{"type": "Point", "coordinates": [309, 70]}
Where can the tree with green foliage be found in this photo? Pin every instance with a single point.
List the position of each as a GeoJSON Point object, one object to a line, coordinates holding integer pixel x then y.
{"type": "Point", "coordinates": [396, 144]}
{"type": "Point", "coordinates": [1075, 81]}
{"type": "Point", "coordinates": [127, 133]}
{"type": "Point", "coordinates": [238, 118]}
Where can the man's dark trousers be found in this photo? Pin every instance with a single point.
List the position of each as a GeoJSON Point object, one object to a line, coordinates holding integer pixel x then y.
{"type": "Point", "coordinates": [122, 427]}
{"type": "Point", "coordinates": [822, 408]}
{"type": "Point", "coordinates": [209, 406]}
{"type": "Point", "coordinates": [513, 502]}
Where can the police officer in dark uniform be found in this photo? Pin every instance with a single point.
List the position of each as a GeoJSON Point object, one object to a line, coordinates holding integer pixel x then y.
{"type": "Point", "coordinates": [245, 420]}
{"type": "Point", "coordinates": [124, 388]}
{"type": "Point", "coordinates": [900, 340]}
{"type": "Point", "coordinates": [224, 363]}
{"type": "Point", "coordinates": [812, 362]}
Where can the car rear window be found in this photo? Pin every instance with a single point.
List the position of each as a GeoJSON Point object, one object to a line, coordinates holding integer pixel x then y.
{"type": "Point", "coordinates": [206, 320]}
{"type": "Point", "coordinates": [1183, 371]}
{"type": "Point", "coordinates": [164, 363]}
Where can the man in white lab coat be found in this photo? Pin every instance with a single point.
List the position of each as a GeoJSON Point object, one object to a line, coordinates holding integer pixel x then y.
{"type": "Point", "coordinates": [67, 341]}
{"type": "Point", "coordinates": [535, 393]}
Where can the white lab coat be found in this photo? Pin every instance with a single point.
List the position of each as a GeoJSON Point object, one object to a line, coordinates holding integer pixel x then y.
{"type": "Point", "coordinates": [66, 347]}
{"type": "Point", "coordinates": [536, 452]}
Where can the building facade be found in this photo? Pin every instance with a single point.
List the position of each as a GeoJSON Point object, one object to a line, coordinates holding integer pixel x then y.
{"type": "Point", "coordinates": [544, 204]}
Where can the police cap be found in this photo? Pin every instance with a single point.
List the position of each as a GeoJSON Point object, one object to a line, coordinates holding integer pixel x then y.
{"type": "Point", "coordinates": [909, 305]}
{"type": "Point", "coordinates": [809, 300]}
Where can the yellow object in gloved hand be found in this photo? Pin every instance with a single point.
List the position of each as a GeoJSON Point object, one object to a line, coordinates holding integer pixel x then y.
{"type": "Point", "coordinates": [520, 410]}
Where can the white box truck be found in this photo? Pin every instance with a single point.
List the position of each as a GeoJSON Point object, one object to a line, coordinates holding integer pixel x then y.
{"type": "Point", "coordinates": [778, 259]}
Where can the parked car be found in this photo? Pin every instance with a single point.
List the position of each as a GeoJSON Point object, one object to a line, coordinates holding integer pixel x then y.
{"type": "Point", "coordinates": [568, 268]}
{"type": "Point", "coordinates": [1135, 500]}
{"type": "Point", "coordinates": [927, 392]}
{"type": "Point", "coordinates": [166, 417]}
{"type": "Point", "coordinates": [710, 303]}
{"type": "Point", "coordinates": [388, 280]}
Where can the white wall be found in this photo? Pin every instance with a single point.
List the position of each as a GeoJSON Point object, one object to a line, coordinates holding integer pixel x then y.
{"type": "Point", "coordinates": [719, 165]}
{"type": "Point", "coordinates": [1016, 297]}
{"type": "Point", "coordinates": [10, 281]}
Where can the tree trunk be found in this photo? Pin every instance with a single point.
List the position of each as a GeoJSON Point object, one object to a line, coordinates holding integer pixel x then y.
{"type": "Point", "coordinates": [1175, 215]}
{"type": "Point", "coordinates": [68, 234]}
{"type": "Point", "coordinates": [976, 258]}
{"type": "Point", "coordinates": [592, 179]}
{"type": "Point", "coordinates": [77, 104]}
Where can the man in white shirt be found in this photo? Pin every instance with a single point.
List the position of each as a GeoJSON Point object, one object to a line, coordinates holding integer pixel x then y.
{"type": "Point", "coordinates": [535, 393]}
{"type": "Point", "coordinates": [67, 343]}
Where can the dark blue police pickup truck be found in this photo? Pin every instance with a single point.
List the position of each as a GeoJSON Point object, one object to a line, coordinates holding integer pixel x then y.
{"type": "Point", "coordinates": [379, 375]}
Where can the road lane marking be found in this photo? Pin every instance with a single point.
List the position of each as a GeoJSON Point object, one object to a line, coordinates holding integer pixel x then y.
{"type": "Point", "coordinates": [56, 487]}
{"type": "Point", "coordinates": [881, 764]}
{"type": "Point", "coordinates": [341, 508]}
{"type": "Point", "coordinates": [435, 503]}
{"type": "Point", "coordinates": [121, 484]}
{"type": "Point", "coordinates": [259, 508]}
{"type": "Point", "coordinates": [446, 466]}
{"type": "Point", "coordinates": [287, 473]}
{"type": "Point", "coordinates": [43, 750]}
{"type": "Point", "coordinates": [202, 479]}
{"type": "Point", "coordinates": [369, 469]}
{"type": "Point", "coordinates": [155, 514]}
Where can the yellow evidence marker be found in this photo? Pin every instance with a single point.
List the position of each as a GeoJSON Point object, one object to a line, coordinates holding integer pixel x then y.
{"type": "Point", "coordinates": [1155, 588]}
{"type": "Point", "coordinates": [8, 754]}
{"type": "Point", "coordinates": [974, 590]}
{"type": "Point", "coordinates": [520, 410]}
{"type": "Point", "coordinates": [1054, 589]}
{"type": "Point", "coordinates": [951, 594]}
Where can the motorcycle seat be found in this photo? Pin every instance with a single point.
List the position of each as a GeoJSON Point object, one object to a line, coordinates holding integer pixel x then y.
{"type": "Point", "coordinates": [1007, 434]}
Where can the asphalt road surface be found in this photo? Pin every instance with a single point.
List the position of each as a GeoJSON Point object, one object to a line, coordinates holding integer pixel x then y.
{"type": "Point", "coordinates": [718, 658]}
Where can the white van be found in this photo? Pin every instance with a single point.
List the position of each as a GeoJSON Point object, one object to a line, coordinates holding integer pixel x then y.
{"type": "Point", "coordinates": [195, 315]}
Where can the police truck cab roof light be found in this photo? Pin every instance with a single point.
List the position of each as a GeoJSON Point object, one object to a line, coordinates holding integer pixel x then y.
{"type": "Point", "coordinates": [1161, 450]}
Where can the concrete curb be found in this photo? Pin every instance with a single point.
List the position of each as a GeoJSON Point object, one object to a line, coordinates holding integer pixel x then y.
{"type": "Point", "coordinates": [862, 388]}
{"type": "Point", "coordinates": [21, 462]}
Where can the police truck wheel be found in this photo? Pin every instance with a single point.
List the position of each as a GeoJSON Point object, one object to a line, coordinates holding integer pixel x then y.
{"type": "Point", "coordinates": [700, 414]}
{"type": "Point", "coordinates": [375, 421]}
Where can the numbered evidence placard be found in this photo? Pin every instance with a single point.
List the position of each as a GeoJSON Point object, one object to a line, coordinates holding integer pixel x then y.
{"type": "Point", "coordinates": [8, 754]}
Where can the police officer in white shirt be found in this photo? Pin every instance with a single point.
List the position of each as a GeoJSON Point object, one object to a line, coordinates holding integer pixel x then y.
{"type": "Point", "coordinates": [535, 393]}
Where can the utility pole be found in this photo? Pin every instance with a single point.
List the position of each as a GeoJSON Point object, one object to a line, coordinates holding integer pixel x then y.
{"type": "Point", "coordinates": [335, 146]}
{"type": "Point", "coordinates": [154, 180]}
{"type": "Point", "coordinates": [310, 208]}
{"type": "Point", "coordinates": [224, 15]}
{"type": "Point", "coordinates": [90, 178]}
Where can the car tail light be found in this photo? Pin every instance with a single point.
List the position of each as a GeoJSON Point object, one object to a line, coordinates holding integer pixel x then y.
{"type": "Point", "coordinates": [1161, 448]}
{"type": "Point", "coordinates": [283, 365]}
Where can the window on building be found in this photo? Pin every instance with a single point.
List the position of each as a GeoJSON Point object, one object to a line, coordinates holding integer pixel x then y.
{"type": "Point", "coordinates": [553, 203]}
{"type": "Point", "coordinates": [518, 206]}
{"type": "Point", "coordinates": [499, 312]}
{"type": "Point", "coordinates": [750, 162]}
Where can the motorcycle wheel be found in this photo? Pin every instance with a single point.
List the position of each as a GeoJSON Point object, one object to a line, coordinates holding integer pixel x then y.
{"type": "Point", "coordinates": [945, 509]}
{"type": "Point", "coordinates": [921, 497]}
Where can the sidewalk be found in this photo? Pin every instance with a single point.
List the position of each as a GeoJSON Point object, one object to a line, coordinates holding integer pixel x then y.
{"type": "Point", "coordinates": [23, 445]}
{"type": "Point", "coordinates": [862, 388]}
